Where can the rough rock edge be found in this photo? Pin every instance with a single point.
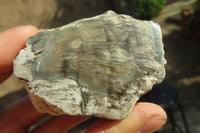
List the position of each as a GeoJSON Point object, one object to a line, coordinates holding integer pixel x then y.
{"type": "Point", "coordinates": [42, 105]}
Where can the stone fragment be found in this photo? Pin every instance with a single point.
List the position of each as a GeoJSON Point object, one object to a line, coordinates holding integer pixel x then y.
{"type": "Point", "coordinates": [95, 66]}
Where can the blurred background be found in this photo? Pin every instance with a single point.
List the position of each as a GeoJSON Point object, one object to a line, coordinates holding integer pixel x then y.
{"type": "Point", "coordinates": [180, 23]}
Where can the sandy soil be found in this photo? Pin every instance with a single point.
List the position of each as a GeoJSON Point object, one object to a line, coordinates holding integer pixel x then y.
{"type": "Point", "coordinates": [183, 68]}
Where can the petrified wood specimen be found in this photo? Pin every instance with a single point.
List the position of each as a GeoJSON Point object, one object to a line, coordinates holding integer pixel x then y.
{"type": "Point", "coordinates": [95, 66]}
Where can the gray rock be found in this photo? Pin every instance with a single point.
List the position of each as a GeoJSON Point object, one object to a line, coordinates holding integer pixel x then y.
{"type": "Point", "coordinates": [95, 66]}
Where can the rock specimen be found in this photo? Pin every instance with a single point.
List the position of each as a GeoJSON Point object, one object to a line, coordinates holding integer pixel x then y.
{"type": "Point", "coordinates": [95, 66]}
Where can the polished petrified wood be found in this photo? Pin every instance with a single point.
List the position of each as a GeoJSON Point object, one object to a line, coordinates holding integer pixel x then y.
{"type": "Point", "coordinates": [95, 66]}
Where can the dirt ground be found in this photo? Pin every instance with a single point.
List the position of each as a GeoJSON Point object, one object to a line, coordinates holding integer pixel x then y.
{"type": "Point", "coordinates": [183, 65]}
{"type": "Point", "coordinates": [183, 62]}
